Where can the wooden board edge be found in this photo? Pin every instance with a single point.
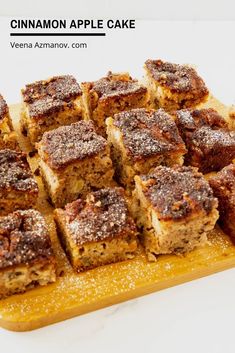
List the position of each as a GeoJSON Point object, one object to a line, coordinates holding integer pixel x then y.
{"type": "Point", "coordinates": [155, 287]}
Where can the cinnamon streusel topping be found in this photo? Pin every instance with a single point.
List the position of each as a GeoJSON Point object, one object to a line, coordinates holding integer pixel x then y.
{"type": "Point", "coordinates": [178, 78]}
{"type": "Point", "coordinates": [15, 172]}
{"type": "Point", "coordinates": [24, 238]}
{"type": "Point", "coordinates": [148, 132]}
{"type": "Point", "coordinates": [109, 87]}
{"type": "Point", "coordinates": [178, 192]}
{"type": "Point", "coordinates": [103, 215]}
{"type": "Point", "coordinates": [50, 96]}
{"type": "Point", "coordinates": [68, 144]}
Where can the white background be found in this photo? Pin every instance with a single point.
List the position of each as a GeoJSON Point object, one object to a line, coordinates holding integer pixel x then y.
{"type": "Point", "coordinates": [194, 317]}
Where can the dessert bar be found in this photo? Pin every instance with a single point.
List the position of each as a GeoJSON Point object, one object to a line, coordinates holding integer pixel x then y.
{"type": "Point", "coordinates": [142, 139]}
{"type": "Point", "coordinates": [48, 104]}
{"type": "Point", "coordinates": [26, 256]}
{"type": "Point", "coordinates": [223, 185]}
{"type": "Point", "coordinates": [18, 188]}
{"type": "Point", "coordinates": [98, 230]}
{"type": "Point", "coordinates": [174, 86]}
{"type": "Point", "coordinates": [74, 159]}
{"type": "Point", "coordinates": [175, 209]}
{"type": "Point", "coordinates": [210, 144]}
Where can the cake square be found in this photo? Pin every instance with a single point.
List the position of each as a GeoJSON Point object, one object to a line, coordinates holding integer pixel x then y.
{"type": "Point", "coordinates": [73, 161]}
{"type": "Point", "coordinates": [174, 86]}
{"type": "Point", "coordinates": [26, 255]}
{"type": "Point", "coordinates": [48, 104]}
{"type": "Point", "coordinates": [175, 209]}
{"type": "Point", "coordinates": [7, 135]}
{"type": "Point", "coordinates": [142, 139]}
{"type": "Point", "coordinates": [97, 231]}
{"type": "Point", "coordinates": [110, 95]}
{"type": "Point", "coordinates": [223, 185]}
{"type": "Point", "coordinates": [210, 144]}
{"type": "Point", "coordinates": [18, 188]}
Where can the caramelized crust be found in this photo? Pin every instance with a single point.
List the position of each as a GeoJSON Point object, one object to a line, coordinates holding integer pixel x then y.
{"type": "Point", "coordinates": [177, 193]}
{"type": "Point", "coordinates": [116, 85]}
{"type": "Point", "coordinates": [148, 133]}
{"type": "Point", "coordinates": [223, 185]}
{"type": "Point", "coordinates": [24, 239]}
{"type": "Point", "coordinates": [15, 173]}
{"type": "Point", "coordinates": [69, 144]}
{"type": "Point", "coordinates": [51, 96]}
{"type": "Point", "coordinates": [178, 78]}
{"type": "Point", "coordinates": [3, 108]}
{"type": "Point", "coordinates": [102, 216]}
{"type": "Point", "coordinates": [210, 144]}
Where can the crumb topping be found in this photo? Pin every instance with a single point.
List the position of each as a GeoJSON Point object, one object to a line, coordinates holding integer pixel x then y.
{"type": "Point", "coordinates": [178, 78]}
{"type": "Point", "coordinates": [15, 172]}
{"type": "Point", "coordinates": [23, 238]}
{"type": "Point", "coordinates": [178, 192]}
{"type": "Point", "coordinates": [189, 120]}
{"type": "Point", "coordinates": [102, 215]}
{"type": "Point", "coordinates": [68, 144]}
{"type": "Point", "coordinates": [148, 132]}
{"type": "Point", "coordinates": [224, 179]}
{"type": "Point", "coordinates": [50, 96]}
{"type": "Point", "coordinates": [210, 144]}
{"type": "Point", "coordinates": [111, 86]}
{"type": "Point", "coordinates": [3, 107]}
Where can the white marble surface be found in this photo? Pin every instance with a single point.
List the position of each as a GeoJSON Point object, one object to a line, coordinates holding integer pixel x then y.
{"type": "Point", "coordinates": [194, 317]}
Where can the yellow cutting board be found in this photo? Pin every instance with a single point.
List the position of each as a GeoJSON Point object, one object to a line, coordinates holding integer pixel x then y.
{"type": "Point", "coordinates": [74, 294]}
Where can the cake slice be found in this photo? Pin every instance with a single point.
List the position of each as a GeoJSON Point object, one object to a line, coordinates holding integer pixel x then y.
{"type": "Point", "coordinates": [210, 144]}
{"type": "Point", "coordinates": [7, 135]}
{"type": "Point", "coordinates": [73, 161]}
{"type": "Point", "coordinates": [48, 104]}
{"type": "Point", "coordinates": [174, 86]}
{"type": "Point", "coordinates": [26, 256]}
{"type": "Point", "coordinates": [175, 209]}
{"type": "Point", "coordinates": [223, 185]}
{"type": "Point", "coordinates": [18, 188]}
{"type": "Point", "coordinates": [142, 139]}
{"type": "Point", "coordinates": [110, 95]}
{"type": "Point", "coordinates": [97, 231]}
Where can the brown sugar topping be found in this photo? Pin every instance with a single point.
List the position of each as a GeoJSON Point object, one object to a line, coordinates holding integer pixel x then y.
{"type": "Point", "coordinates": [189, 120]}
{"type": "Point", "coordinates": [50, 96]}
{"type": "Point", "coordinates": [109, 87]}
{"type": "Point", "coordinates": [211, 145]}
{"type": "Point", "coordinates": [178, 78]}
{"type": "Point", "coordinates": [15, 172]}
{"type": "Point", "coordinates": [24, 238]}
{"type": "Point", "coordinates": [178, 192]}
{"type": "Point", "coordinates": [103, 215]}
{"type": "Point", "coordinates": [148, 132]}
{"type": "Point", "coordinates": [68, 144]}
{"type": "Point", "coordinates": [225, 178]}
{"type": "Point", "coordinates": [3, 107]}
